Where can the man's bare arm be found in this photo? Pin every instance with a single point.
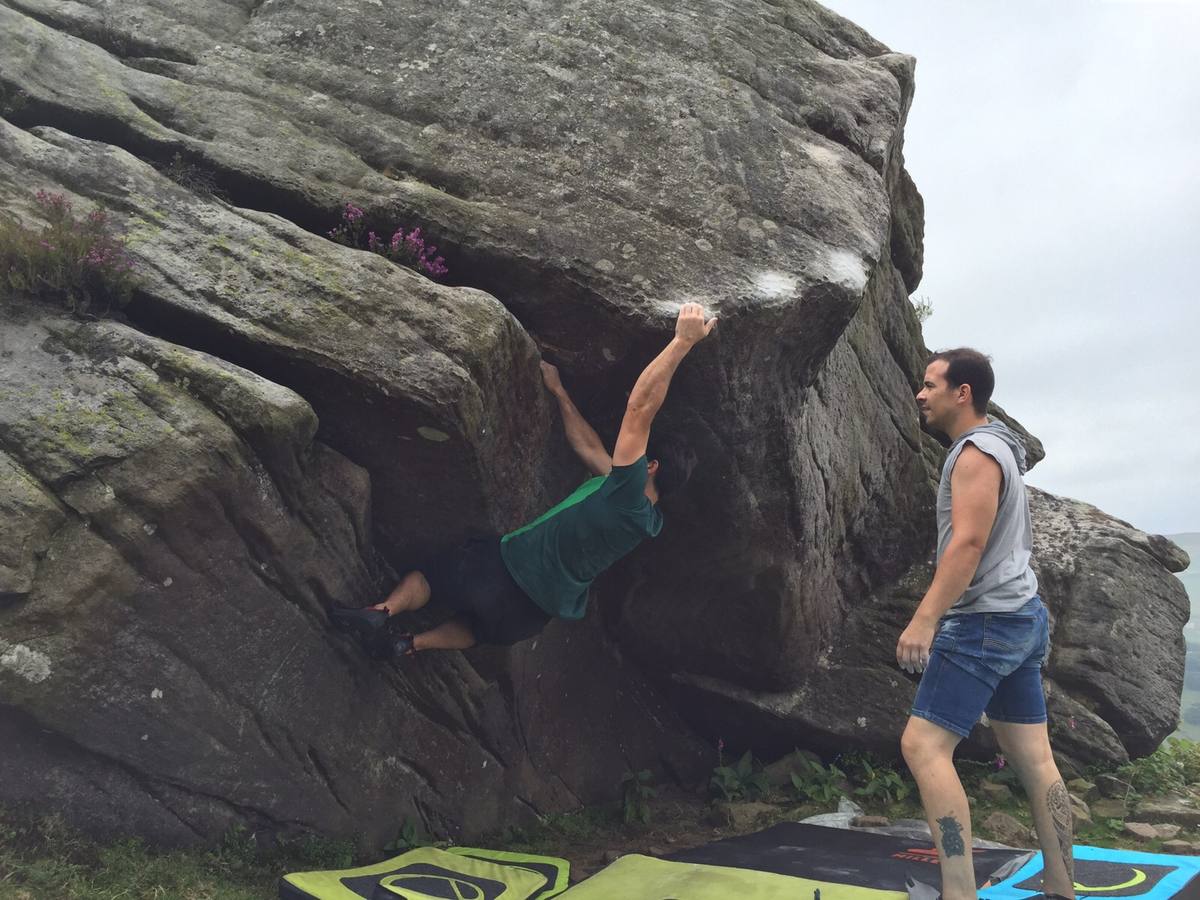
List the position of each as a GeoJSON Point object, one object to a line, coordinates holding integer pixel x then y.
{"type": "Point", "coordinates": [580, 435]}
{"type": "Point", "coordinates": [975, 490]}
{"type": "Point", "coordinates": [650, 391]}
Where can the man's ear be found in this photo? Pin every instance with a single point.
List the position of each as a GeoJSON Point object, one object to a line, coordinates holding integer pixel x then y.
{"type": "Point", "coordinates": [652, 467]}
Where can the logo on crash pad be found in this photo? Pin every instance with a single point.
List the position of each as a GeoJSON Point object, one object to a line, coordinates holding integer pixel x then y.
{"type": "Point", "coordinates": [424, 881]}
{"type": "Point", "coordinates": [1109, 879]}
{"type": "Point", "coordinates": [924, 855]}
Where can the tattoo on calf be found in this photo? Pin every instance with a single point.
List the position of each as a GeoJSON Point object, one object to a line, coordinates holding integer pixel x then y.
{"type": "Point", "coordinates": [952, 838]}
{"type": "Point", "coordinates": [1060, 813]}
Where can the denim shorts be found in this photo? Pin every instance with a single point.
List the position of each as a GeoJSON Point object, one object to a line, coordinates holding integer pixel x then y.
{"type": "Point", "coordinates": [986, 662]}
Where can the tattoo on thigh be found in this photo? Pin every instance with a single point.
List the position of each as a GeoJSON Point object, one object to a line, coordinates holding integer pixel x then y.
{"type": "Point", "coordinates": [952, 837]}
{"type": "Point", "coordinates": [1060, 813]}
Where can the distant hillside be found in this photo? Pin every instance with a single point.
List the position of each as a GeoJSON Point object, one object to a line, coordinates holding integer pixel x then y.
{"type": "Point", "coordinates": [1189, 725]}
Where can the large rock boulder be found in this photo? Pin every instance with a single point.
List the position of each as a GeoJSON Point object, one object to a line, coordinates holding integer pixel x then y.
{"type": "Point", "coordinates": [1119, 615]}
{"type": "Point", "coordinates": [1113, 677]}
{"type": "Point", "coordinates": [584, 170]}
{"type": "Point", "coordinates": [165, 662]}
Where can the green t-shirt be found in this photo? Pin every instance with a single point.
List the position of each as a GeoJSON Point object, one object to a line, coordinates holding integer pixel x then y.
{"type": "Point", "coordinates": [555, 557]}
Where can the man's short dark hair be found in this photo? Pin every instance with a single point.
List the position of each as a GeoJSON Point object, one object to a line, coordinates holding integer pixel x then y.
{"type": "Point", "coordinates": [675, 463]}
{"type": "Point", "coordinates": [967, 366]}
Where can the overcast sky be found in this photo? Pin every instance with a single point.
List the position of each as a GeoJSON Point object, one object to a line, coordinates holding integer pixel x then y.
{"type": "Point", "coordinates": [1057, 146]}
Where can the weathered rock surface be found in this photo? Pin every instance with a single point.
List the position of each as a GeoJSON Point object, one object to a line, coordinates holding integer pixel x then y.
{"type": "Point", "coordinates": [742, 814]}
{"type": "Point", "coordinates": [410, 378]}
{"type": "Point", "coordinates": [1169, 809]}
{"type": "Point", "coordinates": [1111, 599]}
{"type": "Point", "coordinates": [165, 662]}
{"type": "Point", "coordinates": [996, 793]}
{"type": "Point", "coordinates": [1141, 831]}
{"type": "Point", "coordinates": [1109, 808]}
{"type": "Point", "coordinates": [1119, 615]}
{"type": "Point", "coordinates": [1112, 786]}
{"type": "Point", "coordinates": [1081, 815]}
{"type": "Point", "coordinates": [1007, 830]}
{"type": "Point", "coordinates": [279, 422]}
{"type": "Point", "coordinates": [1083, 788]}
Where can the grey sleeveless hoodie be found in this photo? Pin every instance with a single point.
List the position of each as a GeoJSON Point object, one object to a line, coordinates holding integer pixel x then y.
{"type": "Point", "coordinates": [1003, 582]}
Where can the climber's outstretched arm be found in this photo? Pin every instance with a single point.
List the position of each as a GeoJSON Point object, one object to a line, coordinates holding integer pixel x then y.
{"type": "Point", "coordinates": [581, 436]}
{"type": "Point", "coordinates": [650, 391]}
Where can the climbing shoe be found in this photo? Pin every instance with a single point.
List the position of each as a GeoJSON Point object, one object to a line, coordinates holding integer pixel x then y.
{"type": "Point", "coordinates": [366, 624]}
{"type": "Point", "coordinates": [403, 646]}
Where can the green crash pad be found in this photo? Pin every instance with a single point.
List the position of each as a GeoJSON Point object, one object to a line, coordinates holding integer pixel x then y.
{"type": "Point", "coordinates": [459, 873]}
{"type": "Point", "coordinates": [636, 877]}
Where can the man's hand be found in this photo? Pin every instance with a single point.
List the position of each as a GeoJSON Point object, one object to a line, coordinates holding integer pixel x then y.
{"type": "Point", "coordinates": [912, 651]}
{"type": "Point", "coordinates": [550, 376]}
{"type": "Point", "coordinates": [690, 327]}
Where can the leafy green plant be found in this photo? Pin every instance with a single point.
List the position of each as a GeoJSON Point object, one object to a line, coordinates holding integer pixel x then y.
{"type": "Point", "coordinates": [738, 781]}
{"type": "Point", "coordinates": [1173, 766]}
{"type": "Point", "coordinates": [875, 779]}
{"type": "Point", "coordinates": [817, 783]}
{"type": "Point", "coordinates": [408, 837]}
{"type": "Point", "coordinates": [884, 784]}
{"type": "Point", "coordinates": [974, 773]}
{"type": "Point", "coordinates": [636, 793]}
{"type": "Point", "coordinates": [1187, 754]}
{"type": "Point", "coordinates": [923, 307]}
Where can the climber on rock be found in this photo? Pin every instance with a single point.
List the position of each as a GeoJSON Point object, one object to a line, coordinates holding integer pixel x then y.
{"type": "Point", "coordinates": [505, 589]}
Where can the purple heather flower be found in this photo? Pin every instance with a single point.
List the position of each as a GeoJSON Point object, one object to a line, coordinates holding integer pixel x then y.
{"type": "Point", "coordinates": [54, 202]}
{"type": "Point", "coordinates": [352, 213]}
{"type": "Point", "coordinates": [1001, 762]}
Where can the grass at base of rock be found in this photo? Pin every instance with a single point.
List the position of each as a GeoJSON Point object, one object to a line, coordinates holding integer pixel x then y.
{"type": "Point", "coordinates": [49, 860]}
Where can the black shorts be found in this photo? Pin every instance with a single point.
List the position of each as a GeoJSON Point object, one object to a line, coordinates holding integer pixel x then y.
{"type": "Point", "coordinates": [472, 580]}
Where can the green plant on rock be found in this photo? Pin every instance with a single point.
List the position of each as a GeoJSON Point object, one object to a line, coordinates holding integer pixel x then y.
{"type": "Point", "coordinates": [636, 793]}
{"type": "Point", "coordinates": [884, 784]}
{"type": "Point", "coordinates": [407, 838]}
{"type": "Point", "coordinates": [239, 847]}
{"type": "Point", "coordinates": [404, 249]}
{"type": "Point", "coordinates": [1187, 754]}
{"type": "Point", "coordinates": [322, 852]}
{"type": "Point", "coordinates": [76, 262]}
{"type": "Point", "coordinates": [191, 176]}
{"type": "Point", "coordinates": [816, 783]}
{"type": "Point", "coordinates": [1172, 767]}
{"type": "Point", "coordinates": [739, 781]}
{"type": "Point", "coordinates": [875, 779]}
